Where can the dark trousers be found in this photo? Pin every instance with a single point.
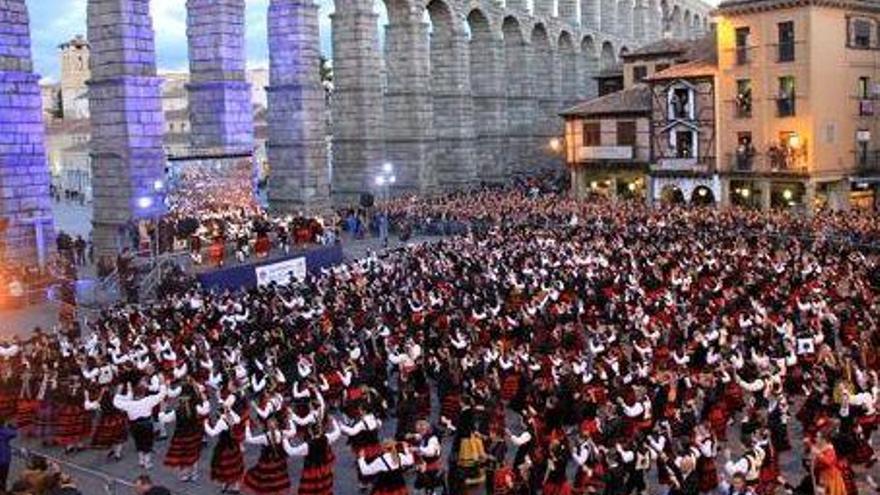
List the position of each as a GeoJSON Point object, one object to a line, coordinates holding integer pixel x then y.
{"type": "Point", "coordinates": [4, 474]}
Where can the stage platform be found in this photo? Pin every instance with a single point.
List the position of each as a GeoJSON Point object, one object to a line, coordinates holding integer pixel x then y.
{"type": "Point", "coordinates": [276, 268]}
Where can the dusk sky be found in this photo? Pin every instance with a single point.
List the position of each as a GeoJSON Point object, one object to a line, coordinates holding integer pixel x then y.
{"type": "Point", "coordinates": [51, 27]}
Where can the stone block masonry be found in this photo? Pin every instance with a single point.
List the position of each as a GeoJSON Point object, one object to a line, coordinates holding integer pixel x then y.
{"type": "Point", "coordinates": [297, 148]}
{"type": "Point", "coordinates": [25, 205]}
{"type": "Point", "coordinates": [358, 145]}
{"type": "Point", "coordinates": [221, 114]}
{"type": "Point", "coordinates": [127, 122]}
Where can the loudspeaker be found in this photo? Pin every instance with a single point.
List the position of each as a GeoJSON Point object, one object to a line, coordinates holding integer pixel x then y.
{"type": "Point", "coordinates": [367, 200]}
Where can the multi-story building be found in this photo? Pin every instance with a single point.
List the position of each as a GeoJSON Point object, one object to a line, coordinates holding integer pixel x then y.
{"type": "Point", "coordinates": [797, 91]}
{"type": "Point", "coordinates": [608, 139]}
{"type": "Point", "coordinates": [74, 75]}
{"type": "Point", "coordinates": [683, 165]}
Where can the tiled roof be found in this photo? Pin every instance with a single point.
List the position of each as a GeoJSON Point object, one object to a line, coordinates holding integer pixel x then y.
{"type": "Point", "coordinates": [666, 46]}
{"type": "Point", "coordinates": [697, 68]}
{"type": "Point", "coordinates": [702, 61]}
{"type": "Point", "coordinates": [633, 100]}
{"type": "Point", "coordinates": [734, 6]}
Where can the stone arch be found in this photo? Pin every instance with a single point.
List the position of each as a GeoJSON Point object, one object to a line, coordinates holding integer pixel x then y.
{"type": "Point", "coordinates": [640, 22]}
{"type": "Point", "coordinates": [676, 25]}
{"type": "Point", "coordinates": [452, 103]}
{"type": "Point", "coordinates": [665, 17]}
{"type": "Point", "coordinates": [591, 17]}
{"type": "Point", "coordinates": [688, 187]}
{"type": "Point", "coordinates": [522, 107]}
{"type": "Point", "coordinates": [624, 18]}
{"type": "Point", "coordinates": [607, 59]}
{"type": "Point", "coordinates": [703, 195]}
{"type": "Point", "coordinates": [568, 68]}
{"type": "Point", "coordinates": [623, 51]}
{"type": "Point", "coordinates": [608, 13]}
{"type": "Point", "coordinates": [589, 66]}
{"type": "Point", "coordinates": [687, 28]}
{"type": "Point", "coordinates": [487, 73]}
{"type": "Point", "coordinates": [671, 194]}
{"type": "Point", "coordinates": [542, 65]}
{"type": "Point", "coordinates": [544, 77]}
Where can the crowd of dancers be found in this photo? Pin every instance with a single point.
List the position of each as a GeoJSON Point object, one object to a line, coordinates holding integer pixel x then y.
{"type": "Point", "coordinates": [565, 348]}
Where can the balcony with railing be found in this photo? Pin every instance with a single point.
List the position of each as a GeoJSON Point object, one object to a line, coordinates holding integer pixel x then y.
{"type": "Point", "coordinates": [868, 163]}
{"type": "Point", "coordinates": [772, 162]}
{"type": "Point", "coordinates": [743, 55]}
{"type": "Point", "coordinates": [703, 164]}
{"type": "Point", "coordinates": [786, 105]}
{"type": "Point", "coordinates": [785, 52]}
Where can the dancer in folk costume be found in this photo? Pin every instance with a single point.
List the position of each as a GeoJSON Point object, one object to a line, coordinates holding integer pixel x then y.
{"type": "Point", "coordinates": [591, 468]}
{"type": "Point", "coordinates": [227, 460]}
{"type": "Point", "coordinates": [111, 430]}
{"type": "Point", "coordinates": [28, 403]}
{"type": "Point", "coordinates": [73, 422]}
{"type": "Point", "coordinates": [363, 434]}
{"type": "Point", "coordinates": [428, 451]}
{"type": "Point", "coordinates": [140, 419]}
{"type": "Point", "coordinates": [556, 481]}
{"type": "Point", "coordinates": [826, 467]}
{"type": "Point", "coordinates": [317, 472]}
{"type": "Point", "coordinates": [387, 469]}
{"type": "Point", "coordinates": [269, 475]}
{"type": "Point", "coordinates": [186, 442]}
{"type": "Point", "coordinates": [45, 426]}
{"type": "Point", "coordinates": [707, 470]}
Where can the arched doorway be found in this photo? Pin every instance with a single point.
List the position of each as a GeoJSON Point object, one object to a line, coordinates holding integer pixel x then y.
{"type": "Point", "coordinates": [703, 196]}
{"type": "Point", "coordinates": [672, 195]}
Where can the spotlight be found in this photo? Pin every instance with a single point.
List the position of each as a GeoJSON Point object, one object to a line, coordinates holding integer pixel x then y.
{"type": "Point", "coordinates": [145, 202]}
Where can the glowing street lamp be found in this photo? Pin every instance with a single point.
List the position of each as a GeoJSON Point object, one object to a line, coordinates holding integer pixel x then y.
{"type": "Point", "coordinates": [145, 202]}
{"type": "Point", "coordinates": [385, 178]}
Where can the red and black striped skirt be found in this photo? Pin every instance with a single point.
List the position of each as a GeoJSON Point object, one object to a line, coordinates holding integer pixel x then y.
{"type": "Point", "coordinates": [26, 416]}
{"type": "Point", "coordinates": [112, 429]}
{"type": "Point", "coordinates": [72, 425]}
{"type": "Point", "coordinates": [227, 463]}
{"type": "Point", "coordinates": [185, 449]}
{"type": "Point", "coordinates": [267, 477]}
{"type": "Point", "coordinates": [317, 479]}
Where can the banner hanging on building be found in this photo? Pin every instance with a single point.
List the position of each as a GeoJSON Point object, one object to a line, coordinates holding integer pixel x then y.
{"type": "Point", "coordinates": [281, 272]}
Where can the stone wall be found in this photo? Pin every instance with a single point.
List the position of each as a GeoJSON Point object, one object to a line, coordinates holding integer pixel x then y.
{"type": "Point", "coordinates": [221, 111]}
{"type": "Point", "coordinates": [128, 160]}
{"type": "Point", "coordinates": [24, 173]}
{"type": "Point", "coordinates": [297, 149]}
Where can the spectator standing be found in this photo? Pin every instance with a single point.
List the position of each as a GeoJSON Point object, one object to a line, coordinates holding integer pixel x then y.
{"type": "Point", "coordinates": [7, 433]}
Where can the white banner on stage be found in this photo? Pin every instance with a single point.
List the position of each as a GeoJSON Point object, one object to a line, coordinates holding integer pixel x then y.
{"type": "Point", "coordinates": [281, 272]}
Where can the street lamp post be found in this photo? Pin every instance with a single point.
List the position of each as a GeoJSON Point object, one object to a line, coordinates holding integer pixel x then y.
{"type": "Point", "coordinates": [385, 179]}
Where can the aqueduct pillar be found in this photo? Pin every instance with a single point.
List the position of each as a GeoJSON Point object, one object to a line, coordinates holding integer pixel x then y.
{"type": "Point", "coordinates": [128, 160]}
{"type": "Point", "coordinates": [297, 146]}
{"type": "Point", "coordinates": [409, 113]}
{"type": "Point", "coordinates": [357, 100]}
{"type": "Point", "coordinates": [220, 108]}
{"type": "Point", "coordinates": [25, 211]}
